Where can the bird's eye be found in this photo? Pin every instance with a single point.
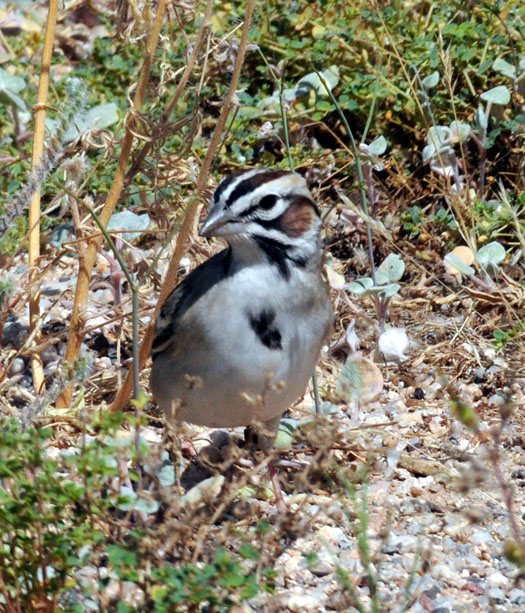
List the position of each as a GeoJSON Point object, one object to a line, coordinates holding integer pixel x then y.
{"type": "Point", "coordinates": [267, 202]}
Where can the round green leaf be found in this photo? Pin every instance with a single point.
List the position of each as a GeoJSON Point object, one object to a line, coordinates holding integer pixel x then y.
{"type": "Point", "coordinates": [459, 264]}
{"type": "Point", "coordinates": [330, 76]}
{"type": "Point", "coordinates": [497, 95]}
{"type": "Point", "coordinates": [438, 136]}
{"type": "Point", "coordinates": [134, 224]}
{"type": "Point", "coordinates": [432, 80]}
{"type": "Point", "coordinates": [360, 286]}
{"type": "Point", "coordinates": [506, 69]}
{"type": "Point", "coordinates": [460, 131]}
{"type": "Point", "coordinates": [391, 269]}
{"type": "Point", "coordinates": [11, 82]}
{"type": "Point", "coordinates": [491, 254]}
{"type": "Point", "coordinates": [377, 146]}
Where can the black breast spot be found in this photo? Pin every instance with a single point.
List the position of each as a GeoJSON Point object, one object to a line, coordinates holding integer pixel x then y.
{"type": "Point", "coordinates": [268, 334]}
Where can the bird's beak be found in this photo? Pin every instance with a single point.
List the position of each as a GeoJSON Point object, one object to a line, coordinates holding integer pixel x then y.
{"type": "Point", "coordinates": [220, 223]}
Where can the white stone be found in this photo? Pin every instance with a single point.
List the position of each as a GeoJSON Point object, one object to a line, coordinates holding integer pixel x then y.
{"type": "Point", "coordinates": [497, 580]}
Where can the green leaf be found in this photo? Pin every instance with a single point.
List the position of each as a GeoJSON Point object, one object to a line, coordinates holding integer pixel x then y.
{"type": "Point", "coordinates": [11, 82]}
{"type": "Point", "coordinates": [459, 264]}
{"type": "Point", "coordinates": [323, 105]}
{"type": "Point", "coordinates": [429, 151]}
{"type": "Point", "coordinates": [391, 269]}
{"type": "Point", "coordinates": [99, 118]}
{"type": "Point", "coordinates": [480, 118]}
{"type": "Point", "coordinates": [312, 81]}
{"type": "Point", "coordinates": [497, 95]}
{"type": "Point", "coordinates": [9, 98]}
{"type": "Point", "coordinates": [491, 254]}
{"type": "Point", "coordinates": [102, 116]}
{"type": "Point", "coordinates": [287, 428]}
{"type": "Point", "coordinates": [119, 556]}
{"type": "Point", "coordinates": [438, 136]}
{"type": "Point", "coordinates": [360, 286]}
{"type": "Point", "coordinates": [506, 69]}
{"type": "Point", "coordinates": [460, 131]}
{"type": "Point", "coordinates": [389, 290]}
{"type": "Point", "coordinates": [134, 224]}
{"type": "Point", "coordinates": [126, 498]}
{"type": "Point", "coordinates": [328, 408]}
{"type": "Point", "coordinates": [248, 552]}
{"type": "Point", "coordinates": [432, 80]}
{"type": "Point", "coordinates": [378, 146]}
{"type": "Point", "coordinates": [166, 475]}
{"type": "Point", "coordinates": [146, 505]}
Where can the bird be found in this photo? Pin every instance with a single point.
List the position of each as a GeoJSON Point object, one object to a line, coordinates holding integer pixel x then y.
{"type": "Point", "coordinates": [237, 341]}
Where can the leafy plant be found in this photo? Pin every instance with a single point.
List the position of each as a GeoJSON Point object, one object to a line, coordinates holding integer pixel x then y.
{"type": "Point", "coordinates": [45, 518]}
{"type": "Point", "coordinates": [413, 220]}
{"type": "Point", "coordinates": [502, 337]}
{"type": "Point", "coordinates": [439, 151]}
{"type": "Point", "coordinates": [6, 289]}
{"type": "Point", "coordinates": [10, 88]}
{"type": "Point", "coordinates": [369, 559]}
{"type": "Point", "coordinates": [385, 286]}
{"type": "Point", "coordinates": [219, 585]}
{"type": "Point", "coordinates": [53, 507]}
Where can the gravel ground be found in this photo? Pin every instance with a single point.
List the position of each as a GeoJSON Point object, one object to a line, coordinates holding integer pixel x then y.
{"type": "Point", "coordinates": [436, 540]}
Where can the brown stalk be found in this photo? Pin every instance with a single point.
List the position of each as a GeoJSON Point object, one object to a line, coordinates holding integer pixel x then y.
{"type": "Point", "coordinates": [34, 207]}
{"type": "Point", "coordinates": [182, 238]}
{"type": "Point", "coordinates": [165, 117]}
{"type": "Point", "coordinates": [86, 264]}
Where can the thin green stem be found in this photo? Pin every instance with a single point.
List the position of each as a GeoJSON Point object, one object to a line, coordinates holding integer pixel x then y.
{"type": "Point", "coordinates": [284, 119]}
{"type": "Point", "coordinates": [370, 112]}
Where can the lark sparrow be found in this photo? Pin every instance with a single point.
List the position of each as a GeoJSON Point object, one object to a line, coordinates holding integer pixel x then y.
{"type": "Point", "coordinates": [236, 342]}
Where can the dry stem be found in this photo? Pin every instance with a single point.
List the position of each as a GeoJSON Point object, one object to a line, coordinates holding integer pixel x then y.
{"type": "Point", "coordinates": [86, 264]}
{"type": "Point", "coordinates": [34, 208]}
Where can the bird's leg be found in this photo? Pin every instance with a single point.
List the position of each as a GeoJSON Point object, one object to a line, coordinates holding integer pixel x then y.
{"type": "Point", "coordinates": [267, 436]}
{"type": "Point", "coordinates": [274, 478]}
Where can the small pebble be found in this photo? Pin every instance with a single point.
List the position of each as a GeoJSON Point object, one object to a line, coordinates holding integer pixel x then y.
{"type": "Point", "coordinates": [49, 354]}
{"type": "Point", "coordinates": [103, 297]}
{"type": "Point", "coordinates": [433, 592]}
{"type": "Point", "coordinates": [473, 587]}
{"type": "Point", "coordinates": [517, 596]}
{"type": "Point", "coordinates": [15, 334]}
{"type": "Point", "coordinates": [302, 602]}
{"type": "Point", "coordinates": [321, 569]}
{"type": "Point", "coordinates": [496, 400]}
{"type": "Point", "coordinates": [443, 571]}
{"type": "Point", "coordinates": [497, 595]}
{"type": "Point", "coordinates": [17, 366]}
{"type": "Point", "coordinates": [481, 536]}
{"type": "Point", "coordinates": [497, 580]}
